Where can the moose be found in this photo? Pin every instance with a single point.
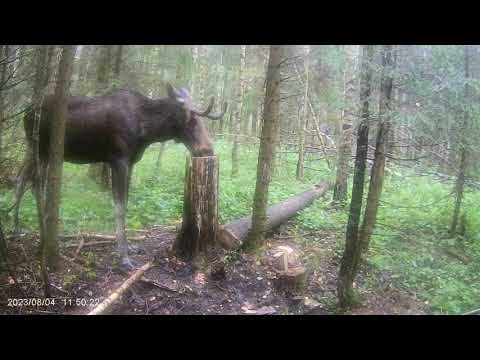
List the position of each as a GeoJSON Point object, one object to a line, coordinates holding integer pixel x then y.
{"type": "Point", "coordinates": [116, 129]}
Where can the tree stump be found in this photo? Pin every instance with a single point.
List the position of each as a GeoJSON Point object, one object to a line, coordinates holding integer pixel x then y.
{"type": "Point", "coordinates": [290, 273]}
{"type": "Point", "coordinates": [292, 281]}
{"type": "Point", "coordinates": [200, 208]}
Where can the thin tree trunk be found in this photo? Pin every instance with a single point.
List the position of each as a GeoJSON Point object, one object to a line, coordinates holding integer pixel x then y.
{"type": "Point", "coordinates": [101, 172]}
{"type": "Point", "coordinates": [56, 149]}
{"type": "Point", "coordinates": [351, 255]}
{"type": "Point", "coordinates": [194, 77]}
{"type": "Point", "coordinates": [267, 147]}
{"type": "Point", "coordinates": [40, 85]}
{"type": "Point", "coordinates": [202, 74]}
{"type": "Point", "coordinates": [118, 65]}
{"type": "Point", "coordinates": [460, 183]}
{"type": "Point", "coordinates": [302, 119]}
{"type": "Point", "coordinates": [3, 247]}
{"type": "Point", "coordinates": [238, 113]}
{"type": "Point", "coordinates": [318, 132]}
{"type": "Point", "coordinates": [4, 54]}
{"type": "Point", "coordinates": [378, 168]}
{"type": "Point", "coordinates": [224, 88]}
{"type": "Point", "coordinates": [159, 156]}
{"type": "Point", "coordinates": [349, 112]}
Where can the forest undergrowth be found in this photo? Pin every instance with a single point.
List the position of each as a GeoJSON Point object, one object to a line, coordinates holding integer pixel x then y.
{"type": "Point", "coordinates": [411, 239]}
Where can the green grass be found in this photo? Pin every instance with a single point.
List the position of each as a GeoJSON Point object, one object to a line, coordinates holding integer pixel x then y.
{"type": "Point", "coordinates": [409, 240]}
{"type": "Point", "coordinates": [156, 196]}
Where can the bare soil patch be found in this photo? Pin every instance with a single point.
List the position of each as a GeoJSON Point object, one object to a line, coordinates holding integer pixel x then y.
{"type": "Point", "coordinates": [245, 283]}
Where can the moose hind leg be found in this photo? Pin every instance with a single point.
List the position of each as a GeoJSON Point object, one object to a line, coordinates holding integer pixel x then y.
{"type": "Point", "coordinates": [119, 191]}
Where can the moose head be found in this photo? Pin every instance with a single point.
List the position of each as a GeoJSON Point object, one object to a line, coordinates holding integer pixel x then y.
{"type": "Point", "coordinates": [190, 129]}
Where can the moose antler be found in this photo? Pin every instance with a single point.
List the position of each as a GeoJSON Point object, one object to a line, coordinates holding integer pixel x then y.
{"type": "Point", "coordinates": [219, 116]}
{"type": "Point", "coordinates": [208, 110]}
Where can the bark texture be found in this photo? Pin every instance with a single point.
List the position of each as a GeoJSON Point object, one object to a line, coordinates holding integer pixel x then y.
{"type": "Point", "coordinates": [238, 111]}
{"type": "Point", "coordinates": [200, 208]}
{"type": "Point", "coordinates": [378, 168]}
{"type": "Point", "coordinates": [56, 148]}
{"type": "Point", "coordinates": [351, 255]}
{"type": "Point", "coordinates": [268, 143]}
{"type": "Point", "coordinates": [349, 113]}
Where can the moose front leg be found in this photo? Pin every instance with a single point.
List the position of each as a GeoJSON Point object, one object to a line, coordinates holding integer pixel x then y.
{"type": "Point", "coordinates": [120, 171]}
{"type": "Point", "coordinates": [25, 175]}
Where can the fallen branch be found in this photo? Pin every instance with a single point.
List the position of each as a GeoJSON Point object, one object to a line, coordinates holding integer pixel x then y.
{"type": "Point", "coordinates": [101, 237]}
{"type": "Point", "coordinates": [92, 243]}
{"type": "Point", "coordinates": [474, 312]}
{"type": "Point", "coordinates": [79, 248]}
{"type": "Point", "coordinates": [232, 235]}
{"type": "Point", "coordinates": [108, 302]}
{"type": "Point", "coordinates": [157, 284]}
{"type": "Point", "coordinates": [73, 263]}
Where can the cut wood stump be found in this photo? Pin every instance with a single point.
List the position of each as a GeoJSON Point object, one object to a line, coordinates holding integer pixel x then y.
{"type": "Point", "coordinates": [200, 208]}
{"type": "Point", "coordinates": [232, 235]}
{"type": "Point", "coordinates": [292, 281]}
{"type": "Point", "coordinates": [290, 273]}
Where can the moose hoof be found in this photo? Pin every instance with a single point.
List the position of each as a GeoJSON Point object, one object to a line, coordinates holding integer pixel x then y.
{"type": "Point", "coordinates": [135, 249]}
{"type": "Point", "coordinates": [127, 264]}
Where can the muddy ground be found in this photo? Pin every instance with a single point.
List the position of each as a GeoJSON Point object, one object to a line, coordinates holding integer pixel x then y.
{"type": "Point", "coordinates": [246, 286]}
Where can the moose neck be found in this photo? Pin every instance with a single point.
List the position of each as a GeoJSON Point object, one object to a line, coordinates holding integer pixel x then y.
{"type": "Point", "coordinates": [156, 124]}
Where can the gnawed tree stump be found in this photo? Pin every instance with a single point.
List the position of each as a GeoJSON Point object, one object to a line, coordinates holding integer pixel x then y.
{"type": "Point", "coordinates": [200, 208]}
{"type": "Point", "coordinates": [292, 281]}
{"type": "Point", "coordinates": [232, 235]}
{"type": "Point", "coordinates": [290, 273]}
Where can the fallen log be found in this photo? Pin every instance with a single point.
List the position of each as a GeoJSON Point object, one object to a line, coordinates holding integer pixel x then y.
{"type": "Point", "coordinates": [109, 301]}
{"type": "Point", "coordinates": [232, 235]}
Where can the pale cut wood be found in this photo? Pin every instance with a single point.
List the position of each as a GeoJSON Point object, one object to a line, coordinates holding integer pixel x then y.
{"type": "Point", "coordinates": [109, 301]}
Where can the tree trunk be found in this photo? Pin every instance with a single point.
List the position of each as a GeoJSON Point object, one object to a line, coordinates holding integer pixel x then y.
{"type": "Point", "coordinates": [200, 208]}
{"type": "Point", "coordinates": [55, 161]}
{"type": "Point", "coordinates": [3, 247]}
{"type": "Point", "coordinates": [351, 256]}
{"type": "Point", "coordinates": [83, 62]}
{"type": "Point", "coordinates": [378, 168]}
{"type": "Point", "coordinates": [42, 77]}
{"type": "Point", "coordinates": [118, 65]}
{"type": "Point", "coordinates": [267, 147]}
{"type": "Point", "coordinates": [349, 112]}
{"type": "Point", "coordinates": [460, 183]}
{"type": "Point", "coordinates": [4, 54]}
{"type": "Point", "coordinates": [302, 119]}
{"type": "Point", "coordinates": [194, 76]}
{"type": "Point", "coordinates": [159, 156]}
{"type": "Point", "coordinates": [101, 172]}
{"type": "Point", "coordinates": [202, 70]}
{"type": "Point", "coordinates": [221, 123]}
{"type": "Point", "coordinates": [234, 234]}
{"type": "Point", "coordinates": [238, 111]}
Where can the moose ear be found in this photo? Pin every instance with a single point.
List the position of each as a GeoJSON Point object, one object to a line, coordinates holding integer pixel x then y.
{"type": "Point", "coordinates": [172, 92]}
